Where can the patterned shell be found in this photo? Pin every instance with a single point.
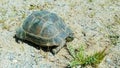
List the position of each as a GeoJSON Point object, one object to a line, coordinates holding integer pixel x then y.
{"type": "Point", "coordinates": [45, 28]}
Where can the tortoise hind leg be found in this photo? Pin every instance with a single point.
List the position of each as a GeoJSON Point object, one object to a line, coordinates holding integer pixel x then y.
{"type": "Point", "coordinates": [16, 39]}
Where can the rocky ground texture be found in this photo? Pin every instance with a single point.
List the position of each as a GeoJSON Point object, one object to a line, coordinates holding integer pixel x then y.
{"type": "Point", "coordinates": [95, 23]}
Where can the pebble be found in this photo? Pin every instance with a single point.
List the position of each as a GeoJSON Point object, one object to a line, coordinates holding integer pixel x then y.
{"type": "Point", "coordinates": [108, 60]}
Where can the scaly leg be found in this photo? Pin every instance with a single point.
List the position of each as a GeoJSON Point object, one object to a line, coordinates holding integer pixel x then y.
{"type": "Point", "coordinates": [55, 50]}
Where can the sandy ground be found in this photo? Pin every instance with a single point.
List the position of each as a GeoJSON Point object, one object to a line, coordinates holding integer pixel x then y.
{"type": "Point", "coordinates": [95, 23]}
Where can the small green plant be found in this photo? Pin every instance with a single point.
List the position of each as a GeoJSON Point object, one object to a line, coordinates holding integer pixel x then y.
{"type": "Point", "coordinates": [2, 21]}
{"type": "Point", "coordinates": [34, 7]}
{"type": "Point", "coordinates": [114, 39]}
{"type": "Point", "coordinates": [90, 0]}
{"type": "Point", "coordinates": [79, 57]}
{"type": "Point", "coordinates": [6, 26]}
{"type": "Point", "coordinates": [117, 18]}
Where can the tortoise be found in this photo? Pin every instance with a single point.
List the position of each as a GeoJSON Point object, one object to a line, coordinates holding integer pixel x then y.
{"type": "Point", "coordinates": [45, 29]}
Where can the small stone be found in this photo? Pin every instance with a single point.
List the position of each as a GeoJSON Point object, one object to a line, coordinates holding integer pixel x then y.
{"type": "Point", "coordinates": [15, 61]}
{"type": "Point", "coordinates": [108, 61]}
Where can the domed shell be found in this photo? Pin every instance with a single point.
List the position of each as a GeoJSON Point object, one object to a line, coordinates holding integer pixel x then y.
{"type": "Point", "coordinates": [45, 28]}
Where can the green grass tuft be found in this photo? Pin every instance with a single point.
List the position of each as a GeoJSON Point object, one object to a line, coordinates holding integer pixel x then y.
{"type": "Point", "coordinates": [79, 57]}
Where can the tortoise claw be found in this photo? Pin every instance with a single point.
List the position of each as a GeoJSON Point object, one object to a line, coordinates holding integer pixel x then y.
{"type": "Point", "coordinates": [54, 51]}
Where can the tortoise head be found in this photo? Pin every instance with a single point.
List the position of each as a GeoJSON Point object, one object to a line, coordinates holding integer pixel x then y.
{"type": "Point", "coordinates": [70, 37]}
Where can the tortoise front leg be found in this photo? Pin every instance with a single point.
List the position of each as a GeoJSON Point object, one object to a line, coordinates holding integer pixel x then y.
{"type": "Point", "coordinates": [56, 50]}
